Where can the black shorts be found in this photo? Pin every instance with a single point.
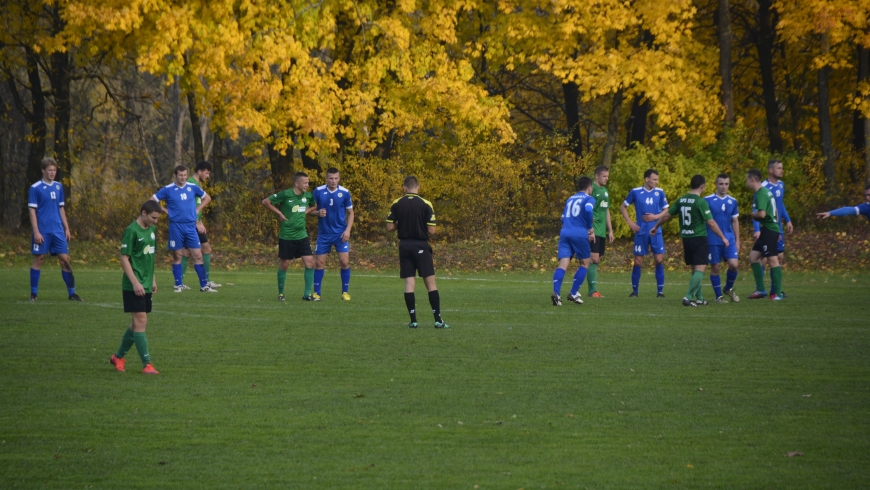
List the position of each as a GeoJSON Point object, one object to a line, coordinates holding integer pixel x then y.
{"type": "Point", "coordinates": [696, 251]}
{"type": "Point", "coordinates": [203, 237]}
{"type": "Point", "coordinates": [136, 304]}
{"type": "Point", "coordinates": [415, 256]}
{"type": "Point", "coordinates": [766, 243]}
{"type": "Point", "coordinates": [599, 246]}
{"type": "Point", "coordinates": [294, 249]}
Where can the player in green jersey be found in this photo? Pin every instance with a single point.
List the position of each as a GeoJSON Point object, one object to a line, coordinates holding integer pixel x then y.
{"type": "Point", "coordinates": [695, 217]}
{"type": "Point", "coordinates": [138, 284]}
{"type": "Point", "coordinates": [602, 226]}
{"type": "Point", "coordinates": [201, 173]}
{"type": "Point", "coordinates": [292, 206]}
{"type": "Point", "coordinates": [766, 244]}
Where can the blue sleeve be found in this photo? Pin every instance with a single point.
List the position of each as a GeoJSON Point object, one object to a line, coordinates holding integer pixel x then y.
{"type": "Point", "coordinates": [782, 212]}
{"type": "Point", "coordinates": [161, 194]}
{"type": "Point", "coordinates": [589, 211]}
{"type": "Point", "coordinates": [847, 211]}
{"type": "Point", "coordinates": [630, 199]}
{"type": "Point", "coordinates": [32, 198]}
{"type": "Point", "coordinates": [349, 203]}
{"type": "Point", "coordinates": [61, 199]}
{"type": "Point", "coordinates": [663, 202]}
{"type": "Point", "coordinates": [197, 191]}
{"type": "Point", "coordinates": [864, 209]}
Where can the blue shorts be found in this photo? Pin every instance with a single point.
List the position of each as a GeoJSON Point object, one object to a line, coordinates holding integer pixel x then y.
{"type": "Point", "coordinates": [326, 242]}
{"type": "Point", "coordinates": [642, 243]}
{"type": "Point", "coordinates": [574, 246]}
{"type": "Point", "coordinates": [780, 244]}
{"type": "Point", "coordinates": [183, 235]}
{"type": "Point", "coordinates": [53, 243]}
{"type": "Point", "coordinates": [721, 253]}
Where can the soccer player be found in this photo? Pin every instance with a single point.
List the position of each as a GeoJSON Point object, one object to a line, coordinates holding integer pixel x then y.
{"type": "Point", "coordinates": [777, 188]}
{"type": "Point", "coordinates": [138, 246]}
{"type": "Point", "coordinates": [201, 173]}
{"type": "Point", "coordinates": [181, 207]}
{"type": "Point", "coordinates": [695, 219]}
{"type": "Point", "coordinates": [335, 211]}
{"type": "Point", "coordinates": [650, 204]}
{"type": "Point", "coordinates": [292, 206]}
{"type": "Point", "coordinates": [50, 228]}
{"type": "Point", "coordinates": [414, 218]}
{"type": "Point", "coordinates": [764, 206]}
{"type": "Point", "coordinates": [725, 214]}
{"type": "Point", "coordinates": [602, 225]}
{"type": "Point", "coordinates": [861, 209]}
{"type": "Point", "coordinates": [577, 231]}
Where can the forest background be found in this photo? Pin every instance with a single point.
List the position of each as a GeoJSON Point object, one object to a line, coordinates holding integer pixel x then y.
{"type": "Point", "coordinates": [496, 106]}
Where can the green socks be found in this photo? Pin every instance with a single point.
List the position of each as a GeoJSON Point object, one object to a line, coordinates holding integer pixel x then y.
{"type": "Point", "coordinates": [206, 261]}
{"type": "Point", "coordinates": [142, 347]}
{"type": "Point", "coordinates": [126, 343]}
{"type": "Point", "coordinates": [776, 280]}
{"type": "Point", "coordinates": [184, 261]}
{"type": "Point", "coordinates": [282, 278]}
{"type": "Point", "coordinates": [309, 281]}
{"type": "Point", "coordinates": [695, 285]}
{"type": "Point", "coordinates": [758, 272]}
{"type": "Point", "coordinates": [592, 278]}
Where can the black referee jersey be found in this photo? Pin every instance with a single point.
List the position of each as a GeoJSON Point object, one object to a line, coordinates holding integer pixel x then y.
{"type": "Point", "coordinates": [412, 215]}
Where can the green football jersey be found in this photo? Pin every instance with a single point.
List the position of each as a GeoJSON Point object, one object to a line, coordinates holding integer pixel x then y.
{"type": "Point", "coordinates": [693, 212]}
{"type": "Point", "coordinates": [764, 201]}
{"type": "Point", "coordinates": [139, 244]}
{"type": "Point", "coordinates": [191, 180]}
{"type": "Point", "coordinates": [293, 207]}
{"type": "Point", "coordinates": [599, 214]}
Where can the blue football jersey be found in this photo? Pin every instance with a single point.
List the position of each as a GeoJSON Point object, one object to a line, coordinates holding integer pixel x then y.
{"type": "Point", "coordinates": [180, 201]}
{"type": "Point", "coordinates": [646, 202]}
{"type": "Point", "coordinates": [47, 199]}
{"type": "Point", "coordinates": [336, 203]}
{"type": "Point", "coordinates": [577, 217]}
{"type": "Point", "coordinates": [723, 209]}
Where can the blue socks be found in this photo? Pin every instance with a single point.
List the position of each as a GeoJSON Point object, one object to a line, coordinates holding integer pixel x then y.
{"type": "Point", "coordinates": [200, 271]}
{"type": "Point", "coordinates": [635, 278]}
{"type": "Point", "coordinates": [34, 281]}
{"type": "Point", "coordinates": [579, 277]}
{"type": "Point", "coordinates": [558, 277]}
{"type": "Point", "coordinates": [730, 277]}
{"type": "Point", "coordinates": [717, 285]}
{"type": "Point", "coordinates": [345, 280]}
{"type": "Point", "coordinates": [660, 277]}
{"type": "Point", "coordinates": [70, 281]}
{"type": "Point", "coordinates": [177, 273]}
{"type": "Point", "coordinates": [318, 279]}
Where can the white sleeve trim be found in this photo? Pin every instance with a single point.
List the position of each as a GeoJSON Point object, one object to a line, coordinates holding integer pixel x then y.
{"type": "Point", "coordinates": [33, 205]}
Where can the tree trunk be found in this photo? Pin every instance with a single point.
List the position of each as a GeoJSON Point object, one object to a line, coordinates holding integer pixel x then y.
{"type": "Point", "coordinates": [384, 149]}
{"type": "Point", "coordinates": [764, 42]}
{"type": "Point", "coordinates": [636, 125]}
{"type": "Point", "coordinates": [195, 128]}
{"type": "Point", "coordinates": [793, 104]}
{"type": "Point", "coordinates": [725, 42]}
{"type": "Point", "coordinates": [282, 167]}
{"type": "Point", "coordinates": [572, 112]}
{"type": "Point", "coordinates": [612, 129]}
{"type": "Point", "coordinates": [217, 159]}
{"type": "Point", "coordinates": [60, 90]}
{"type": "Point", "coordinates": [858, 142]}
{"type": "Point", "coordinates": [827, 140]}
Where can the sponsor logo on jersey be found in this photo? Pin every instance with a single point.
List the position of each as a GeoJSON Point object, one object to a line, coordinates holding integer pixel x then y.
{"type": "Point", "coordinates": [339, 194]}
{"type": "Point", "coordinates": [123, 245]}
{"type": "Point", "coordinates": [304, 200]}
{"type": "Point", "coordinates": [152, 236]}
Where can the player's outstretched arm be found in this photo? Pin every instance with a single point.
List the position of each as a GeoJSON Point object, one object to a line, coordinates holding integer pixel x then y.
{"type": "Point", "coordinates": [846, 211]}
{"type": "Point", "coordinates": [662, 220]}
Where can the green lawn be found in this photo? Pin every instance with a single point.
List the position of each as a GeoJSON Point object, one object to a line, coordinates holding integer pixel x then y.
{"type": "Point", "coordinates": [616, 393]}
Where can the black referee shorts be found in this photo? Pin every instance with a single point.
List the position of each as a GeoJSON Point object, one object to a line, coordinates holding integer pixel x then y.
{"type": "Point", "coordinates": [696, 251]}
{"type": "Point", "coordinates": [415, 256]}
{"type": "Point", "coordinates": [294, 249]}
{"type": "Point", "coordinates": [766, 243]}
{"type": "Point", "coordinates": [136, 304]}
{"type": "Point", "coordinates": [599, 246]}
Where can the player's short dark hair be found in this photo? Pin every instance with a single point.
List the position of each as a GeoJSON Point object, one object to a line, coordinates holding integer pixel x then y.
{"type": "Point", "coordinates": [601, 168]}
{"type": "Point", "coordinates": [754, 174]}
{"type": "Point", "coordinates": [723, 175]}
{"type": "Point", "coordinates": [772, 162]}
{"type": "Point", "coordinates": [180, 168]}
{"type": "Point", "coordinates": [649, 172]}
{"type": "Point", "coordinates": [202, 165]}
{"type": "Point", "coordinates": [150, 206]}
{"type": "Point", "coordinates": [697, 181]}
{"type": "Point", "coordinates": [331, 170]}
{"type": "Point", "coordinates": [583, 183]}
{"type": "Point", "coordinates": [411, 182]}
{"type": "Point", "coordinates": [48, 162]}
{"type": "Point", "coordinates": [299, 175]}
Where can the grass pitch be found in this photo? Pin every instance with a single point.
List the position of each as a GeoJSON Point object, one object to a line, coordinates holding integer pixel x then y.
{"type": "Point", "coordinates": [616, 393]}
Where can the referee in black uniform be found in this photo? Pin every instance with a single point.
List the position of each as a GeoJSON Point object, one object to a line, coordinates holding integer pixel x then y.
{"type": "Point", "coordinates": [414, 217]}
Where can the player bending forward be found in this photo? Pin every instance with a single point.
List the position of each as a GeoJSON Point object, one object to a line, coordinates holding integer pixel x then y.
{"type": "Point", "coordinates": [577, 231]}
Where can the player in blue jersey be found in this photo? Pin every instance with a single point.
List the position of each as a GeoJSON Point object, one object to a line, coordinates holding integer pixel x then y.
{"type": "Point", "coordinates": [201, 173]}
{"type": "Point", "coordinates": [777, 188]}
{"type": "Point", "coordinates": [335, 211]}
{"type": "Point", "coordinates": [45, 202]}
{"type": "Point", "coordinates": [724, 211]}
{"type": "Point", "coordinates": [577, 232]}
{"type": "Point", "coordinates": [650, 204]}
{"type": "Point", "coordinates": [181, 207]}
{"type": "Point", "coordinates": [862, 209]}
